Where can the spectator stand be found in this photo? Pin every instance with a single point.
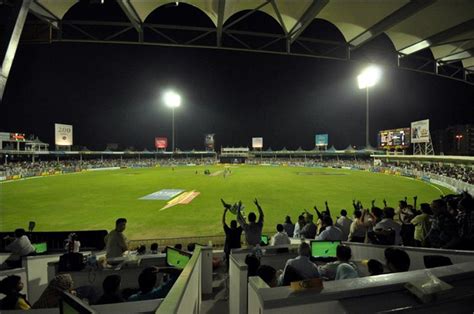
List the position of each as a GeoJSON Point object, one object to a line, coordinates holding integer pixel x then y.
{"type": "Point", "coordinates": [238, 293]}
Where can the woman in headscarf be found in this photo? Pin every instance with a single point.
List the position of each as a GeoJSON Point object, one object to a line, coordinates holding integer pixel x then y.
{"type": "Point", "coordinates": [13, 300]}
{"type": "Point", "coordinates": [52, 294]}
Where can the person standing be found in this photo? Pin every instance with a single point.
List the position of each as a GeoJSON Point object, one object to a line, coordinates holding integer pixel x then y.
{"type": "Point", "coordinates": [344, 224]}
{"type": "Point", "coordinates": [253, 229]}
{"type": "Point", "coordinates": [232, 235]}
{"type": "Point", "coordinates": [289, 226]}
{"type": "Point", "coordinates": [116, 242]}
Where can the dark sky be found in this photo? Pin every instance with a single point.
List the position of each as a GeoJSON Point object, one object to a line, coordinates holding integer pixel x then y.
{"type": "Point", "coordinates": [112, 94]}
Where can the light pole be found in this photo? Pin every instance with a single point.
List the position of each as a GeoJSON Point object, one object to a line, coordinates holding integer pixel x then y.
{"type": "Point", "coordinates": [368, 78]}
{"type": "Point", "coordinates": [172, 100]}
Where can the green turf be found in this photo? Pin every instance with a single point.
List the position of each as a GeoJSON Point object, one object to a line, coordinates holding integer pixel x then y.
{"type": "Point", "coordinates": [93, 200]}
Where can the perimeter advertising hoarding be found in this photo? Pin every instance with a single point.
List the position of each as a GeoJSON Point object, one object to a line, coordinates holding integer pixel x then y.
{"type": "Point", "coordinates": [420, 131]}
{"type": "Point", "coordinates": [209, 142]}
{"type": "Point", "coordinates": [321, 139]}
{"type": "Point", "coordinates": [257, 142]}
{"type": "Point", "coordinates": [161, 142]}
{"type": "Point", "coordinates": [63, 134]}
{"type": "Point", "coordinates": [395, 138]}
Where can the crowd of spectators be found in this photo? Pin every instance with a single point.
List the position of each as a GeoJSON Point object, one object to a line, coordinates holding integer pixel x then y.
{"type": "Point", "coordinates": [37, 168]}
{"type": "Point", "coordinates": [457, 172]}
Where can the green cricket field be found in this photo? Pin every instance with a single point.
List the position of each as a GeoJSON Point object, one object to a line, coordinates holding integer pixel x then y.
{"type": "Point", "coordinates": [92, 200]}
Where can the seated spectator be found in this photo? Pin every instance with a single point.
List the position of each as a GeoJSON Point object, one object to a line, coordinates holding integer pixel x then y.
{"type": "Point", "coordinates": [154, 248]}
{"type": "Point", "coordinates": [191, 247]}
{"type": "Point", "coordinates": [115, 240]}
{"type": "Point", "coordinates": [444, 231]}
{"type": "Point", "coordinates": [53, 292]}
{"type": "Point", "coordinates": [422, 224]}
{"type": "Point", "coordinates": [329, 270]}
{"type": "Point", "coordinates": [141, 250]}
{"type": "Point", "coordinates": [111, 286]}
{"type": "Point", "coordinates": [302, 264]}
{"type": "Point", "coordinates": [19, 247]}
{"type": "Point", "coordinates": [253, 263]}
{"type": "Point", "coordinates": [397, 260]}
{"type": "Point", "coordinates": [72, 245]}
{"type": "Point", "coordinates": [147, 281]}
{"type": "Point", "coordinates": [330, 233]}
{"type": "Point", "coordinates": [11, 287]}
{"type": "Point", "coordinates": [289, 226]}
{"type": "Point", "coordinates": [388, 224]}
{"type": "Point", "coordinates": [290, 275]}
{"type": "Point", "coordinates": [268, 274]}
{"type": "Point", "coordinates": [280, 238]}
{"type": "Point", "coordinates": [346, 271]}
{"type": "Point", "coordinates": [309, 229]}
{"type": "Point", "coordinates": [178, 246]}
{"type": "Point", "coordinates": [299, 226]}
{"type": "Point", "coordinates": [375, 267]}
{"type": "Point", "coordinates": [358, 228]}
{"type": "Point", "coordinates": [344, 224]}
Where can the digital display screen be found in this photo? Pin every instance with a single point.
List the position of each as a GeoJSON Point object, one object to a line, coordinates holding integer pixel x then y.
{"type": "Point", "coordinates": [324, 248]}
{"type": "Point", "coordinates": [396, 138]}
{"type": "Point", "coordinates": [40, 247]}
{"type": "Point", "coordinates": [177, 258]}
{"type": "Point", "coordinates": [264, 239]}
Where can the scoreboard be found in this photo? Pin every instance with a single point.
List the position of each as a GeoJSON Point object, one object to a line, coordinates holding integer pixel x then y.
{"type": "Point", "coordinates": [394, 139]}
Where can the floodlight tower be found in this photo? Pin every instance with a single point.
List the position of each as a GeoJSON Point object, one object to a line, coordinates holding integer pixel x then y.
{"type": "Point", "coordinates": [368, 78]}
{"type": "Point", "coordinates": [172, 100]}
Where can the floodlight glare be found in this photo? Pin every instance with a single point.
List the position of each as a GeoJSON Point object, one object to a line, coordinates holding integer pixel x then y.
{"type": "Point", "coordinates": [369, 77]}
{"type": "Point", "coordinates": [172, 99]}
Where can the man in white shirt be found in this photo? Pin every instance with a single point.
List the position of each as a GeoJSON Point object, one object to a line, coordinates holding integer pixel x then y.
{"type": "Point", "coordinates": [298, 226]}
{"type": "Point", "coordinates": [330, 233]}
{"type": "Point", "coordinates": [280, 238]}
{"type": "Point", "coordinates": [302, 264]}
{"type": "Point", "coordinates": [388, 224]}
{"type": "Point", "coordinates": [344, 224]}
{"type": "Point", "coordinates": [20, 246]}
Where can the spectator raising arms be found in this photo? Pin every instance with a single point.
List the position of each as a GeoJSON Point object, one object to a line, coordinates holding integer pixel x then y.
{"type": "Point", "coordinates": [253, 229]}
{"type": "Point", "coordinates": [232, 234]}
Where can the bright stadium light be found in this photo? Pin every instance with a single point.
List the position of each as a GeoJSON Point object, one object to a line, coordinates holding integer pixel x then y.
{"type": "Point", "coordinates": [368, 78]}
{"type": "Point", "coordinates": [172, 100]}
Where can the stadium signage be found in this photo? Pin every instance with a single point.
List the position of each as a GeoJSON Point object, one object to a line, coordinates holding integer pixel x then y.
{"type": "Point", "coordinates": [420, 131]}
{"type": "Point", "coordinates": [257, 142]}
{"type": "Point", "coordinates": [321, 139]}
{"type": "Point", "coordinates": [161, 142]}
{"type": "Point", "coordinates": [63, 134]}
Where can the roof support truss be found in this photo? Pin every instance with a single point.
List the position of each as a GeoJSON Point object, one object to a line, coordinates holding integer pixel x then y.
{"type": "Point", "coordinates": [439, 37]}
{"type": "Point", "coordinates": [44, 14]}
{"type": "Point", "coordinates": [133, 17]}
{"type": "Point", "coordinates": [220, 21]}
{"type": "Point", "coordinates": [308, 16]}
{"type": "Point", "coordinates": [389, 21]}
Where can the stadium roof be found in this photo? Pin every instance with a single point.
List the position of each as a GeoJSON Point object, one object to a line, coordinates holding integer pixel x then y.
{"type": "Point", "coordinates": [443, 28]}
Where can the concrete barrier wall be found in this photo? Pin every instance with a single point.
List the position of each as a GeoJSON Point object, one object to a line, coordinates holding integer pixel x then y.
{"type": "Point", "coordinates": [361, 295]}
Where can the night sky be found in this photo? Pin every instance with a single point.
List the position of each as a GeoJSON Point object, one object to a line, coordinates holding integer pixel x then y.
{"type": "Point", "coordinates": [112, 94]}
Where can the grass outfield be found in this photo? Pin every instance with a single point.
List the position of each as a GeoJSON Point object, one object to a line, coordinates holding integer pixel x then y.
{"type": "Point", "coordinates": [93, 200]}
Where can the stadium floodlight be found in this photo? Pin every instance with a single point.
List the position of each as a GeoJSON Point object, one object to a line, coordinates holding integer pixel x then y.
{"type": "Point", "coordinates": [172, 100]}
{"type": "Point", "coordinates": [368, 78]}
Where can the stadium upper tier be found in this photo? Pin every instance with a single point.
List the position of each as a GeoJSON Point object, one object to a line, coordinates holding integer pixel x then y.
{"type": "Point", "coordinates": [444, 29]}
